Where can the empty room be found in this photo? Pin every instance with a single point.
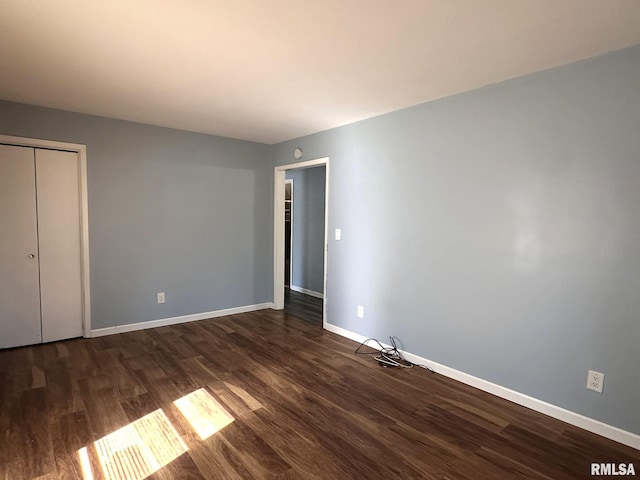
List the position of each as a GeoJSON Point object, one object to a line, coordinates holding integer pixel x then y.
{"type": "Point", "coordinates": [319, 240]}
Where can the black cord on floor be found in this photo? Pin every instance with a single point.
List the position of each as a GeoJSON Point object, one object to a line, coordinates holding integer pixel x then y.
{"type": "Point", "coordinates": [388, 356]}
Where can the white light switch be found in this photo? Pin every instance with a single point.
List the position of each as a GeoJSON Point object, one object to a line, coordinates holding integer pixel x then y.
{"type": "Point", "coordinates": [338, 234]}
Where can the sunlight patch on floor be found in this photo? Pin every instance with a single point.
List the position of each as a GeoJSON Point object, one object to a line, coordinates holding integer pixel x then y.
{"type": "Point", "coordinates": [85, 464]}
{"type": "Point", "coordinates": [143, 447]}
{"type": "Point", "coordinates": [203, 412]}
{"type": "Point", "coordinates": [137, 450]}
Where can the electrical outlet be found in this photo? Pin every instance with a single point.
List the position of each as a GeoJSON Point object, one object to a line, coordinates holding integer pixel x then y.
{"type": "Point", "coordinates": [338, 234]}
{"type": "Point", "coordinates": [160, 297]}
{"type": "Point", "coordinates": [360, 311]}
{"type": "Point", "coordinates": [595, 381]}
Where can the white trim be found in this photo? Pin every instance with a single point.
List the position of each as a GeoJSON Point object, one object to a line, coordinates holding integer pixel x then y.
{"type": "Point", "coordinates": [81, 150]}
{"type": "Point", "coordinates": [278, 239]}
{"type": "Point", "coordinates": [326, 242]}
{"type": "Point", "coordinates": [290, 181]}
{"type": "Point", "coordinates": [586, 423]}
{"type": "Point", "coordinates": [278, 230]}
{"type": "Point", "coordinates": [306, 292]}
{"type": "Point", "coordinates": [163, 322]}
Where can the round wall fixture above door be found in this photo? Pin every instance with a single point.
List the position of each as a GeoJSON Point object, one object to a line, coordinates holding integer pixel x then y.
{"type": "Point", "coordinates": [297, 153]}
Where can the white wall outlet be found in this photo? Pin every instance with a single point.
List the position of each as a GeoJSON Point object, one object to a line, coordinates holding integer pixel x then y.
{"type": "Point", "coordinates": [360, 311]}
{"type": "Point", "coordinates": [160, 297]}
{"type": "Point", "coordinates": [338, 234]}
{"type": "Point", "coordinates": [595, 381]}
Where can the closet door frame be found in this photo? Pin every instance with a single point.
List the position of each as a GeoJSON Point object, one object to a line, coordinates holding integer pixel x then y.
{"type": "Point", "coordinates": [81, 151]}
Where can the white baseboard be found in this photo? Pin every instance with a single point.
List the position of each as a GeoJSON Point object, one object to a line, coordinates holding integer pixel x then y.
{"type": "Point", "coordinates": [100, 332]}
{"type": "Point", "coordinates": [586, 423]}
{"type": "Point", "coordinates": [306, 292]}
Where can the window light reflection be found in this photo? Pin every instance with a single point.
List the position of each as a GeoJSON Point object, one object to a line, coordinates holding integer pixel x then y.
{"type": "Point", "coordinates": [85, 464]}
{"type": "Point", "coordinates": [139, 449]}
{"type": "Point", "coordinates": [203, 412]}
{"type": "Point", "coordinates": [143, 447]}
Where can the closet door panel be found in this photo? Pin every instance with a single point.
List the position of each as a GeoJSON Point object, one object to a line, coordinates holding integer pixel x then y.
{"type": "Point", "coordinates": [59, 236]}
{"type": "Point", "coordinates": [19, 288]}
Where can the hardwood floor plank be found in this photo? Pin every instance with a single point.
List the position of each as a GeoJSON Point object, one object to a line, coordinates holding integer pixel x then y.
{"type": "Point", "coordinates": [70, 433]}
{"type": "Point", "coordinates": [304, 406]}
{"type": "Point", "coordinates": [81, 362]}
{"type": "Point", "coordinates": [138, 406]}
{"type": "Point", "coordinates": [217, 461]}
{"type": "Point", "coordinates": [296, 448]}
{"type": "Point", "coordinates": [199, 369]}
{"type": "Point", "coordinates": [510, 468]}
{"type": "Point", "coordinates": [30, 430]}
{"type": "Point", "coordinates": [161, 389]}
{"type": "Point", "coordinates": [102, 405]}
{"type": "Point", "coordinates": [5, 400]}
{"type": "Point", "coordinates": [256, 455]}
{"type": "Point", "coordinates": [59, 391]}
{"type": "Point", "coordinates": [5, 449]}
{"type": "Point", "coordinates": [317, 413]}
{"type": "Point", "coordinates": [302, 306]}
{"type": "Point", "coordinates": [182, 468]}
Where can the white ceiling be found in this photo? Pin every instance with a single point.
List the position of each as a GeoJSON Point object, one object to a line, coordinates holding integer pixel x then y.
{"type": "Point", "coordinates": [272, 70]}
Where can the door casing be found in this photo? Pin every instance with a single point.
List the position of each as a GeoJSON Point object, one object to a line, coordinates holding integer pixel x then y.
{"type": "Point", "coordinates": [278, 230]}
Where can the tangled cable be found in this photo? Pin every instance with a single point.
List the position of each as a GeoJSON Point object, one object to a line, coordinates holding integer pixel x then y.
{"type": "Point", "coordinates": [386, 356]}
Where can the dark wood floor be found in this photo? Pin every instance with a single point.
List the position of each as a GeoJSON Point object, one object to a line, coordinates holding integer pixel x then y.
{"type": "Point", "coordinates": [303, 306]}
{"type": "Point", "coordinates": [292, 402]}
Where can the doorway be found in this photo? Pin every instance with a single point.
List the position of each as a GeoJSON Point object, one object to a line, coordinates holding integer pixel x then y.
{"type": "Point", "coordinates": [305, 295]}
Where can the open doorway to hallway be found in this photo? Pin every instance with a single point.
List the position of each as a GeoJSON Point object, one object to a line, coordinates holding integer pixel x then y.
{"type": "Point", "coordinates": [300, 239]}
{"type": "Point", "coordinates": [304, 247]}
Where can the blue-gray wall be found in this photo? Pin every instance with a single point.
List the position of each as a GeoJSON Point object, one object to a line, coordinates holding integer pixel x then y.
{"type": "Point", "coordinates": [169, 211]}
{"type": "Point", "coordinates": [307, 262]}
{"type": "Point", "coordinates": [498, 232]}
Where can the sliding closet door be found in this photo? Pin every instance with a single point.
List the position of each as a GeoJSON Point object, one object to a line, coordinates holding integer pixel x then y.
{"type": "Point", "coordinates": [19, 289]}
{"type": "Point", "coordinates": [59, 236]}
